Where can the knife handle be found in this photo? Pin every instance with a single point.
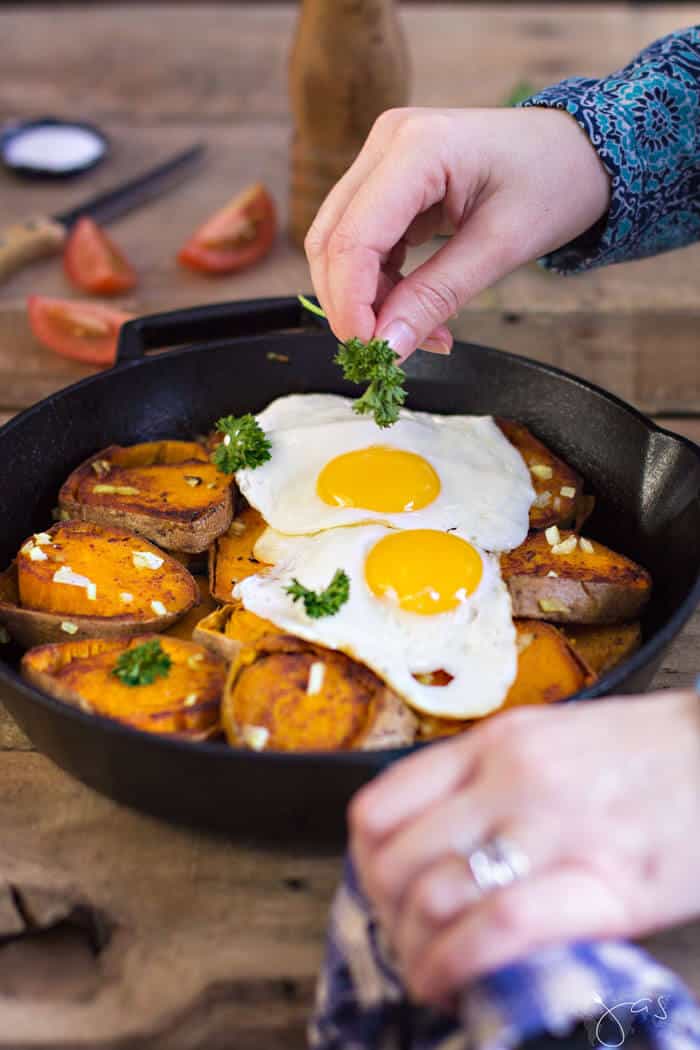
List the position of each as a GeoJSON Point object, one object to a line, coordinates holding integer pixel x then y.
{"type": "Point", "coordinates": [26, 241]}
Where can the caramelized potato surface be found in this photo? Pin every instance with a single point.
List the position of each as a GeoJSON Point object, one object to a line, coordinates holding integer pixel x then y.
{"type": "Point", "coordinates": [549, 669]}
{"type": "Point", "coordinates": [604, 647]}
{"type": "Point", "coordinates": [285, 694]}
{"type": "Point", "coordinates": [91, 570]}
{"type": "Point", "coordinates": [588, 584]}
{"type": "Point", "coordinates": [231, 556]}
{"type": "Point", "coordinates": [167, 491]}
{"type": "Point", "coordinates": [231, 628]}
{"type": "Point", "coordinates": [558, 488]}
{"type": "Point", "coordinates": [186, 700]}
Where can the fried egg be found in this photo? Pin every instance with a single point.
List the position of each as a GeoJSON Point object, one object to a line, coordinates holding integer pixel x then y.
{"type": "Point", "coordinates": [421, 600]}
{"type": "Point", "coordinates": [330, 467]}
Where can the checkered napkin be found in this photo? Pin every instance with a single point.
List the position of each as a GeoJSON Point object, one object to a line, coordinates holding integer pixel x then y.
{"type": "Point", "coordinates": [612, 992]}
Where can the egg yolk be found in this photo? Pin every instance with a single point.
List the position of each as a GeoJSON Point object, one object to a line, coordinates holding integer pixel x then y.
{"type": "Point", "coordinates": [378, 478]}
{"type": "Point", "coordinates": [424, 570]}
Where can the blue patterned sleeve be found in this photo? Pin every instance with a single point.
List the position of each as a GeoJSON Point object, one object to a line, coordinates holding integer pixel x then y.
{"type": "Point", "coordinates": [644, 122]}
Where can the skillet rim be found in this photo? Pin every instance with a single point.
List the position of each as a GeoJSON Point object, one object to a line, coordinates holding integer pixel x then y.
{"type": "Point", "coordinates": [380, 757]}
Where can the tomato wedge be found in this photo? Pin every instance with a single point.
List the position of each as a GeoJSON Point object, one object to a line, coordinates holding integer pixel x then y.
{"type": "Point", "coordinates": [84, 331]}
{"type": "Point", "coordinates": [234, 237]}
{"type": "Point", "coordinates": [94, 263]}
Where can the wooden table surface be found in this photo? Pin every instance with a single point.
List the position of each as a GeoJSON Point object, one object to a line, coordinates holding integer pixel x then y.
{"type": "Point", "coordinates": [202, 942]}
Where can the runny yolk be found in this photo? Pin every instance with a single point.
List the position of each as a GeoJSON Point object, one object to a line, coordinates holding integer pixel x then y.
{"type": "Point", "coordinates": [378, 478]}
{"type": "Point", "coordinates": [424, 570]}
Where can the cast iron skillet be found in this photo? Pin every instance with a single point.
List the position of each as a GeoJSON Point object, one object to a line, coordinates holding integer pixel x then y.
{"type": "Point", "coordinates": [647, 482]}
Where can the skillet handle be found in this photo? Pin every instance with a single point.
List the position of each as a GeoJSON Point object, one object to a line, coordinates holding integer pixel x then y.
{"type": "Point", "coordinates": [204, 324]}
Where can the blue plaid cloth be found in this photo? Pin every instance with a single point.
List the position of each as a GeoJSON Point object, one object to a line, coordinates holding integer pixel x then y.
{"type": "Point", "coordinates": [615, 990]}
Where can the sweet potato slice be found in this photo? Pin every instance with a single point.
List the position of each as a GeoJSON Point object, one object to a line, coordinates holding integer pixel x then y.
{"type": "Point", "coordinates": [185, 701]}
{"type": "Point", "coordinates": [558, 488]}
{"type": "Point", "coordinates": [82, 580]}
{"type": "Point", "coordinates": [549, 669]}
{"type": "Point", "coordinates": [231, 556]}
{"type": "Point", "coordinates": [603, 647]}
{"type": "Point", "coordinates": [286, 694]}
{"type": "Point", "coordinates": [167, 491]}
{"type": "Point", "coordinates": [589, 584]}
{"type": "Point", "coordinates": [231, 628]}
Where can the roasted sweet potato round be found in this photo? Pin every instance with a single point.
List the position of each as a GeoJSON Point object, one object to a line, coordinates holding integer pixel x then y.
{"type": "Point", "coordinates": [85, 580]}
{"type": "Point", "coordinates": [558, 488]}
{"type": "Point", "coordinates": [231, 628]}
{"type": "Point", "coordinates": [167, 491]}
{"type": "Point", "coordinates": [231, 557]}
{"type": "Point", "coordinates": [184, 700]}
{"type": "Point", "coordinates": [568, 579]}
{"type": "Point", "coordinates": [549, 669]}
{"type": "Point", "coordinates": [603, 647]}
{"type": "Point", "coordinates": [286, 694]}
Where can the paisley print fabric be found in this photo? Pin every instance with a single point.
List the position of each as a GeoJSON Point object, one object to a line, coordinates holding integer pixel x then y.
{"type": "Point", "coordinates": [644, 122]}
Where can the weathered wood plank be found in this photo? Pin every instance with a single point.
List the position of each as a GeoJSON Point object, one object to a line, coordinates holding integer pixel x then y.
{"type": "Point", "coordinates": [230, 60]}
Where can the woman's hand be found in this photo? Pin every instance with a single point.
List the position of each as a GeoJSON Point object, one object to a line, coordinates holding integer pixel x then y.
{"type": "Point", "coordinates": [509, 184]}
{"type": "Point", "coordinates": [603, 799]}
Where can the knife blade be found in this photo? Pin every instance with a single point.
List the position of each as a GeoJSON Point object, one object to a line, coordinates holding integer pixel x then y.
{"type": "Point", "coordinates": [36, 238]}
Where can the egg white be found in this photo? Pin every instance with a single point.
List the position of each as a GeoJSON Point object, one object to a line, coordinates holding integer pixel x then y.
{"type": "Point", "coordinates": [486, 490]}
{"type": "Point", "coordinates": [475, 643]}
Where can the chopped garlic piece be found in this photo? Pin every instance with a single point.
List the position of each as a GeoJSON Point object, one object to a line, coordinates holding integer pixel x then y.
{"type": "Point", "coordinates": [42, 538]}
{"type": "Point", "coordinates": [115, 490]}
{"type": "Point", "coordinates": [255, 737]}
{"type": "Point", "coordinates": [566, 546]}
{"type": "Point", "coordinates": [317, 673]}
{"type": "Point", "coordinates": [73, 579]}
{"type": "Point", "coordinates": [91, 591]}
{"type": "Point", "coordinates": [4, 636]}
{"type": "Point", "coordinates": [193, 481]}
{"type": "Point", "coordinates": [552, 535]}
{"type": "Point", "coordinates": [68, 627]}
{"type": "Point", "coordinates": [541, 471]}
{"type": "Point", "coordinates": [159, 609]}
{"type": "Point", "coordinates": [567, 491]}
{"type": "Point", "coordinates": [552, 605]}
{"type": "Point", "coordinates": [101, 467]}
{"type": "Point", "coordinates": [238, 528]}
{"type": "Point", "coordinates": [126, 597]}
{"type": "Point", "coordinates": [193, 660]}
{"type": "Point", "coordinates": [553, 574]}
{"type": "Point", "coordinates": [542, 499]}
{"type": "Point", "coordinates": [523, 642]}
{"type": "Point", "coordinates": [146, 560]}
{"type": "Point", "coordinates": [27, 548]}
{"type": "Point", "coordinates": [585, 545]}
{"type": "Point", "coordinates": [37, 554]}
{"type": "Point", "coordinates": [190, 700]}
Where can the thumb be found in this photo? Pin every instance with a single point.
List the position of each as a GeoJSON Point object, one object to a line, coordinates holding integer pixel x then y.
{"type": "Point", "coordinates": [426, 298]}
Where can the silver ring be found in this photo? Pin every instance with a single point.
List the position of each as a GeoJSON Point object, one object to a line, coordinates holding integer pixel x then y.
{"type": "Point", "coordinates": [496, 864]}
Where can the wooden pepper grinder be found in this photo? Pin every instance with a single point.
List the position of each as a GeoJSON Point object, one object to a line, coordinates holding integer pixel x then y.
{"type": "Point", "coordinates": [348, 64]}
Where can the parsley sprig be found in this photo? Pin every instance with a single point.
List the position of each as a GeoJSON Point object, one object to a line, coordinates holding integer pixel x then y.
{"type": "Point", "coordinates": [373, 363]}
{"type": "Point", "coordinates": [322, 603]}
{"type": "Point", "coordinates": [245, 444]}
{"type": "Point", "coordinates": [142, 664]}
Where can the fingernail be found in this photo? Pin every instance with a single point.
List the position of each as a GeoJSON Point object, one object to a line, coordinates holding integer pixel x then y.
{"type": "Point", "coordinates": [400, 337]}
{"type": "Point", "coordinates": [435, 346]}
